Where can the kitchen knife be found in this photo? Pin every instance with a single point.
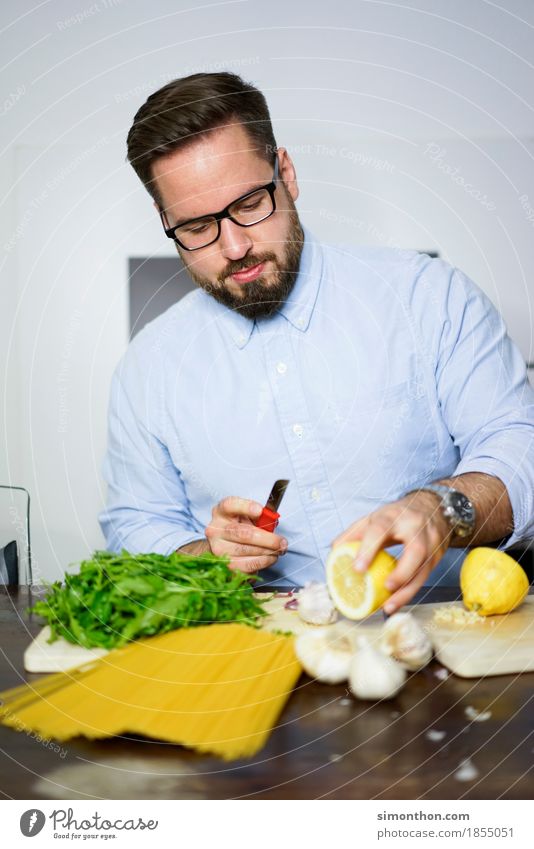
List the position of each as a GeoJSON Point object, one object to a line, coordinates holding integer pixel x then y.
{"type": "Point", "coordinates": [268, 520]}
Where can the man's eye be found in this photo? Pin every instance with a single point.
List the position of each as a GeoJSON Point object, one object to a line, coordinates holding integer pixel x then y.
{"type": "Point", "coordinates": [246, 207]}
{"type": "Point", "coordinates": [198, 228]}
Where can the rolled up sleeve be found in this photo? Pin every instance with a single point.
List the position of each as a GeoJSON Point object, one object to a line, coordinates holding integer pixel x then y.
{"type": "Point", "coordinates": [485, 398]}
{"type": "Point", "coordinates": [147, 508]}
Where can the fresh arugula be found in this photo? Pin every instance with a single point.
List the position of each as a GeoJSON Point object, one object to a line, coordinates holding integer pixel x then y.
{"type": "Point", "coordinates": [115, 598]}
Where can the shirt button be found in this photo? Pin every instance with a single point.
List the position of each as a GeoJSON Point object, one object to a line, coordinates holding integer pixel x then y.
{"type": "Point", "coordinates": [300, 322]}
{"type": "Point", "coordinates": [281, 368]}
{"type": "Point", "coordinates": [241, 339]}
{"type": "Point", "coordinates": [298, 430]}
{"type": "Point", "coordinates": [315, 495]}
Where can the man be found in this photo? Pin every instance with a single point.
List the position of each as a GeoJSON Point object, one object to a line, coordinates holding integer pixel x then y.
{"type": "Point", "coordinates": [360, 374]}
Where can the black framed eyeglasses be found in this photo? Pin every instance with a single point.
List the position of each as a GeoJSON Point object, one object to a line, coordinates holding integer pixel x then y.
{"type": "Point", "coordinates": [245, 211]}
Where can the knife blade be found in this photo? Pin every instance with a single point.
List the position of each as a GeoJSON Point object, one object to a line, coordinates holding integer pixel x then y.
{"type": "Point", "coordinates": [268, 520]}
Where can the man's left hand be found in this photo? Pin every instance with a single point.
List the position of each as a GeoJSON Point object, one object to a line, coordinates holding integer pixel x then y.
{"type": "Point", "coordinates": [417, 523]}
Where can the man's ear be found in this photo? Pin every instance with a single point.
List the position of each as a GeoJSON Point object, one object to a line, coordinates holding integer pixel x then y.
{"type": "Point", "coordinates": [287, 172]}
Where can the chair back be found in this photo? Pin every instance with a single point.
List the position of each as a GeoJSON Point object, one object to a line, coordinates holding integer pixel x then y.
{"type": "Point", "coordinates": [9, 564]}
{"type": "Point", "coordinates": [15, 549]}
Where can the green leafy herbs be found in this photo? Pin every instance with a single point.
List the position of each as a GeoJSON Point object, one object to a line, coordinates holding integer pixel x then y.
{"type": "Point", "coordinates": [115, 598]}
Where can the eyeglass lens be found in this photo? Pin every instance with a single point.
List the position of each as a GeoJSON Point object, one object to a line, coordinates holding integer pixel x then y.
{"type": "Point", "coordinates": [249, 210]}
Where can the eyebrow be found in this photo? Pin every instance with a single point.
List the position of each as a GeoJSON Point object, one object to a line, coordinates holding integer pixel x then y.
{"type": "Point", "coordinates": [183, 221]}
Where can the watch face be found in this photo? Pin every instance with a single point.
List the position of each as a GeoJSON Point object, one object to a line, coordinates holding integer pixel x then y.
{"type": "Point", "coordinates": [462, 507]}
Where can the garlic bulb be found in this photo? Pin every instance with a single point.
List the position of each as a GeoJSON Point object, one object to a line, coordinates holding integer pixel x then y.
{"type": "Point", "coordinates": [403, 639]}
{"type": "Point", "coordinates": [315, 605]}
{"type": "Point", "coordinates": [325, 654]}
{"type": "Point", "coordinates": [374, 675]}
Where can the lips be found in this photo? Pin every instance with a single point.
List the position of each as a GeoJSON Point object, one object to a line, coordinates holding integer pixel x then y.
{"type": "Point", "coordinates": [248, 274]}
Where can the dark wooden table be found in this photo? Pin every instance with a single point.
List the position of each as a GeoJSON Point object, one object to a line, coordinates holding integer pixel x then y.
{"type": "Point", "coordinates": [326, 745]}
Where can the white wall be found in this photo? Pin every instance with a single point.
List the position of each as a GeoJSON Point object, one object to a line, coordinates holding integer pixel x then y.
{"type": "Point", "coordinates": [385, 109]}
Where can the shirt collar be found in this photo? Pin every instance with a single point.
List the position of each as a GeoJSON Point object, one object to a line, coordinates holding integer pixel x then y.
{"type": "Point", "coordinates": [297, 309]}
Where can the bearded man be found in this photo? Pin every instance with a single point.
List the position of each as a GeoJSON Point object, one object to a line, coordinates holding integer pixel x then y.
{"type": "Point", "coordinates": [381, 383]}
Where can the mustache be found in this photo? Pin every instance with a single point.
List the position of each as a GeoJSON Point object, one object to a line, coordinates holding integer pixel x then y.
{"type": "Point", "coordinates": [235, 267]}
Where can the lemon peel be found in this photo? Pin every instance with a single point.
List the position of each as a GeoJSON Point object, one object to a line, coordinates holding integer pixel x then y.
{"type": "Point", "coordinates": [492, 582]}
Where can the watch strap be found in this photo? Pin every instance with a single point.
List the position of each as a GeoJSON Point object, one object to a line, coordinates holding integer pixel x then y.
{"type": "Point", "coordinates": [462, 526]}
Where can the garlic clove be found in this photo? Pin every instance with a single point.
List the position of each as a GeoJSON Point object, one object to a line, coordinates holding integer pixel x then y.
{"type": "Point", "coordinates": [315, 605]}
{"type": "Point", "coordinates": [324, 655]}
{"type": "Point", "coordinates": [403, 639]}
{"type": "Point", "coordinates": [477, 715]}
{"type": "Point", "coordinates": [374, 675]}
{"type": "Point", "coordinates": [442, 674]}
{"type": "Point", "coordinates": [434, 735]}
{"type": "Point", "coordinates": [466, 771]}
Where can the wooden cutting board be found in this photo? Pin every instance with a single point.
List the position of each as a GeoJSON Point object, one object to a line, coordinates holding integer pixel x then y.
{"type": "Point", "coordinates": [499, 645]}
{"type": "Point", "coordinates": [42, 656]}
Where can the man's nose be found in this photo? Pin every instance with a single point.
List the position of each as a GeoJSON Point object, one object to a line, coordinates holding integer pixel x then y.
{"type": "Point", "coordinates": [234, 240]}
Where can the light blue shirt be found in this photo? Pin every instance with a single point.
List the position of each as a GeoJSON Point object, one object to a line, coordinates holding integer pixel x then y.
{"type": "Point", "coordinates": [384, 370]}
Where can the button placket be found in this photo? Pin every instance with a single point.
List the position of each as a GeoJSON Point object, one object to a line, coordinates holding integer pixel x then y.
{"type": "Point", "coordinates": [309, 472]}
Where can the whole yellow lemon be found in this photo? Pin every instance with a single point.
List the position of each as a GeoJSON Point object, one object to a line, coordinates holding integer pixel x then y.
{"type": "Point", "coordinates": [492, 582]}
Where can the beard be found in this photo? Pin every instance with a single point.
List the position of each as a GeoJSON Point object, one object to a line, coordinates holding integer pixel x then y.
{"type": "Point", "coordinates": [259, 298]}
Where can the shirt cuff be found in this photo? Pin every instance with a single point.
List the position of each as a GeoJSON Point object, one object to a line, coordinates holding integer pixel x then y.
{"type": "Point", "coordinates": [165, 543]}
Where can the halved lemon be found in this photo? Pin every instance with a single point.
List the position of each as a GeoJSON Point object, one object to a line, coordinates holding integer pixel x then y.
{"type": "Point", "coordinates": [357, 594]}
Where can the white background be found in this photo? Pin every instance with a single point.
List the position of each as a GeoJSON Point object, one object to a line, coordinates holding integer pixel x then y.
{"type": "Point", "coordinates": [358, 90]}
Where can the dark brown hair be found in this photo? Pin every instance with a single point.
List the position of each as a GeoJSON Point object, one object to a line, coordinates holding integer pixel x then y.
{"type": "Point", "coordinates": [184, 109]}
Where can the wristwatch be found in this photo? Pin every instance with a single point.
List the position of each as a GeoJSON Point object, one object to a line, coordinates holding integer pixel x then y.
{"type": "Point", "coordinates": [455, 506]}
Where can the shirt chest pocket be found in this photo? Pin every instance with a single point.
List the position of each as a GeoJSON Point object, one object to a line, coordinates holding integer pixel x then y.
{"type": "Point", "coordinates": [390, 440]}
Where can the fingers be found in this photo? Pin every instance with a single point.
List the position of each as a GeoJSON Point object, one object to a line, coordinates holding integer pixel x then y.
{"type": "Point", "coordinates": [252, 564]}
{"type": "Point", "coordinates": [232, 534]}
{"type": "Point", "coordinates": [418, 526]}
{"type": "Point", "coordinates": [420, 555]}
{"type": "Point", "coordinates": [374, 538]}
{"type": "Point", "coordinates": [407, 592]}
{"type": "Point", "coordinates": [233, 506]}
{"type": "Point", "coordinates": [240, 539]}
{"type": "Point", "coordinates": [413, 558]}
{"type": "Point", "coordinates": [223, 548]}
{"type": "Point", "coordinates": [374, 531]}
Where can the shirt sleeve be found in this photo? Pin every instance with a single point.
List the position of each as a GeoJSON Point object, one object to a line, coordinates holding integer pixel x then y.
{"type": "Point", "coordinates": [147, 508]}
{"type": "Point", "coordinates": [486, 400]}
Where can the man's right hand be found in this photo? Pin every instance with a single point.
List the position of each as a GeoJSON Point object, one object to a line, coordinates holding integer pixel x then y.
{"type": "Point", "coordinates": [232, 533]}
